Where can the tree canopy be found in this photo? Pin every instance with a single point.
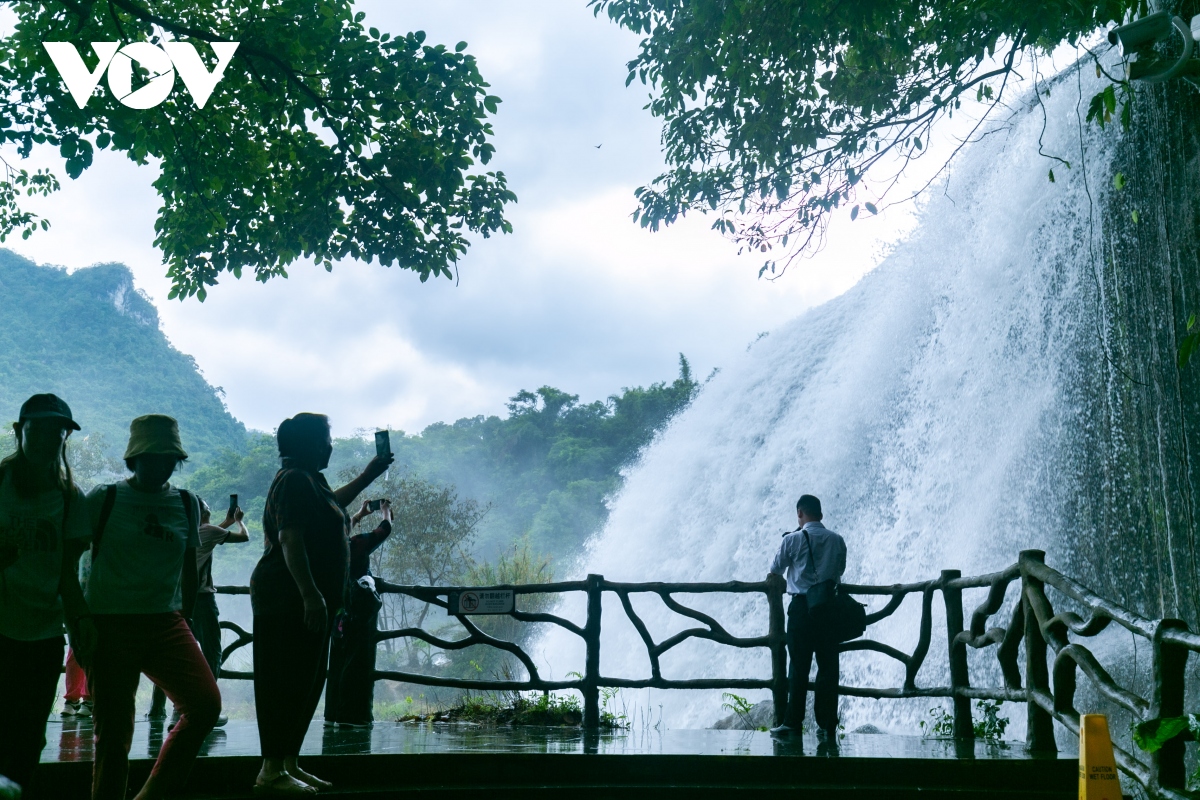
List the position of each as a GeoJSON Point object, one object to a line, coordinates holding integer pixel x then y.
{"type": "Point", "coordinates": [323, 139]}
{"type": "Point", "coordinates": [774, 111]}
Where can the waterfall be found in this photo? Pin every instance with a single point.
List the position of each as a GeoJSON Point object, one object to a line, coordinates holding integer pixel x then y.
{"type": "Point", "coordinates": [934, 409]}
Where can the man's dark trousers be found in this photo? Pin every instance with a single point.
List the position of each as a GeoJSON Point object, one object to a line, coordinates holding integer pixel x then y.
{"type": "Point", "coordinates": [805, 638]}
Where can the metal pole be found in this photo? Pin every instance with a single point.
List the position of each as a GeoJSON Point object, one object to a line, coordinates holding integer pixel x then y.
{"type": "Point", "coordinates": [777, 635]}
{"type": "Point", "coordinates": [960, 677]}
{"type": "Point", "coordinates": [591, 637]}
{"type": "Point", "coordinates": [1039, 737]}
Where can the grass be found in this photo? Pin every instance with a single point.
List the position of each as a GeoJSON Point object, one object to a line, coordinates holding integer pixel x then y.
{"type": "Point", "coordinates": [513, 708]}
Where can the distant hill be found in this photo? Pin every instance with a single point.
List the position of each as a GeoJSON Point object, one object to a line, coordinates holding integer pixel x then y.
{"type": "Point", "coordinates": [94, 340]}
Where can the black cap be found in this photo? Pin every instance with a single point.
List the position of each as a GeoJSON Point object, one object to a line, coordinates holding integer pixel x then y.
{"type": "Point", "coordinates": [48, 406]}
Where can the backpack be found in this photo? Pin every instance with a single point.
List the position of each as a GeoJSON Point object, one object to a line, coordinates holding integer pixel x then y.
{"type": "Point", "coordinates": [110, 499]}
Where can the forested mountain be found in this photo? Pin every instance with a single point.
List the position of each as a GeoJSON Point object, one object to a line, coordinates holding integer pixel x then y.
{"type": "Point", "coordinates": [544, 470]}
{"type": "Point", "coordinates": [92, 339]}
{"type": "Point", "coordinates": [541, 473]}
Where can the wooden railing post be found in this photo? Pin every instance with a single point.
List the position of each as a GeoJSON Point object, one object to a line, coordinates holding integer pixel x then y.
{"type": "Point", "coordinates": [1169, 663]}
{"type": "Point", "coordinates": [1039, 737]}
{"type": "Point", "coordinates": [960, 677]}
{"type": "Point", "coordinates": [777, 634]}
{"type": "Point", "coordinates": [591, 670]}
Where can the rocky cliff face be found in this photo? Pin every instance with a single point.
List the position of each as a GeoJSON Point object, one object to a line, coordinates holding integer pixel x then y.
{"type": "Point", "coordinates": [1139, 452]}
{"type": "Point", "coordinates": [92, 338]}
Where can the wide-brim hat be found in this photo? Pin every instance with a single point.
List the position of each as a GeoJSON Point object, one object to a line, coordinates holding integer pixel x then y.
{"type": "Point", "coordinates": [154, 435]}
{"type": "Point", "coordinates": [48, 406]}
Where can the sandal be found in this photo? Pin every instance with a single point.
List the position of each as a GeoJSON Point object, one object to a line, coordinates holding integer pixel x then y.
{"type": "Point", "coordinates": [283, 785]}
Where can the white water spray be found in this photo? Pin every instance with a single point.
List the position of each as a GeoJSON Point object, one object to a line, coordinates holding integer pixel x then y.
{"type": "Point", "coordinates": [929, 407]}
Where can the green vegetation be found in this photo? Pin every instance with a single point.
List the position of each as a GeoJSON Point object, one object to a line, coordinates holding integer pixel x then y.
{"type": "Point", "coordinates": [323, 140]}
{"type": "Point", "coordinates": [540, 475]}
{"type": "Point", "coordinates": [990, 727]}
{"type": "Point", "coordinates": [736, 704]}
{"type": "Point", "coordinates": [774, 112]}
{"type": "Point", "coordinates": [93, 339]}
{"type": "Point", "coordinates": [515, 708]}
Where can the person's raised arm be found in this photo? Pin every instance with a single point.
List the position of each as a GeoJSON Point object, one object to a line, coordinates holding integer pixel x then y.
{"type": "Point", "coordinates": [295, 555]}
{"type": "Point", "coordinates": [383, 530]}
{"type": "Point", "coordinates": [379, 464]}
{"type": "Point", "coordinates": [239, 534]}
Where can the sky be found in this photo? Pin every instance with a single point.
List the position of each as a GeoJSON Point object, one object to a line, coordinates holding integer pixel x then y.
{"type": "Point", "coordinates": [577, 297]}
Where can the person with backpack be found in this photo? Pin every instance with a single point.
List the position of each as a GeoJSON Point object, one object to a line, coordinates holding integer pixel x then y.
{"type": "Point", "coordinates": [141, 594]}
{"type": "Point", "coordinates": [813, 559]}
{"type": "Point", "coordinates": [42, 514]}
{"type": "Point", "coordinates": [296, 591]}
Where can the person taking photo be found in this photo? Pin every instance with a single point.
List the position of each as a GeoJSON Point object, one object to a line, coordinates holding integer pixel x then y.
{"type": "Point", "coordinates": [296, 590]}
{"type": "Point", "coordinates": [206, 618]}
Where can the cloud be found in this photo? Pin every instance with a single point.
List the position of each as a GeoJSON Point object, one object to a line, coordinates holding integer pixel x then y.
{"type": "Point", "coordinates": [577, 297]}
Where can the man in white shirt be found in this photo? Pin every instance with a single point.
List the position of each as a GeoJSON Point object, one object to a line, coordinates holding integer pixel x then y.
{"type": "Point", "coordinates": [808, 556]}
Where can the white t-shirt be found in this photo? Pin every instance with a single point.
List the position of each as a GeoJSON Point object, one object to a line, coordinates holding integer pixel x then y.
{"type": "Point", "coordinates": [138, 568]}
{"type": "Point", "coordinates": [31, 530]}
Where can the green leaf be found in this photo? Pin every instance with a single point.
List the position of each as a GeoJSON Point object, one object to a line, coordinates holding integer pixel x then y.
{"type": "Point", "coordinates": [1152, 734]}
{"type": "Point", "coordinates": [854, 213]}
{"type": "Point", "coordinates": [458, 48]}
{"type": "Point", "coordinates": [1052, 176]}
{"type": "Point", "coordinates": [1135, 217]}
{"type": "Point", "coordinates": [871, 207]}
{"type": "Point", "coordinates": [1119, 181]}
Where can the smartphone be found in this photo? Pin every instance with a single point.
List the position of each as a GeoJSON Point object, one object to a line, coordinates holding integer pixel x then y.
{"type": "Point", "coordinates": [373, 505]}
{"type": "Point", "coordinates": [383, 443]}
{"type": "Point", "coordinates": [232, 503]}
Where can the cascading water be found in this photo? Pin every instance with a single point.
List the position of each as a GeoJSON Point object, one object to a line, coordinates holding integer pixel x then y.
{"type": "Point", "coordinates": [932, 408]}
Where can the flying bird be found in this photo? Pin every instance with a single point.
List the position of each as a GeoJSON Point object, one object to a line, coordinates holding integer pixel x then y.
{"type": "Point", "coordinates": [600, 145]}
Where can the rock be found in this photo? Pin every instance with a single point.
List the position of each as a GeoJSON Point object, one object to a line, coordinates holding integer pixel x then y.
{"type": "Point", "coordinates": [868, 729]}
{"type": "Point", "coordinates": [761, 715]}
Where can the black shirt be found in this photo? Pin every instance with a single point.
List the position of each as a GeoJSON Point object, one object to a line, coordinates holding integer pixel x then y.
{"type": "Point", "coordinates": [301, 499]}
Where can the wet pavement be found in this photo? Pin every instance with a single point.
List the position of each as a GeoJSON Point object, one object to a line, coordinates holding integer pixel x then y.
{"type": "Point", "coordinates": [71, 740]}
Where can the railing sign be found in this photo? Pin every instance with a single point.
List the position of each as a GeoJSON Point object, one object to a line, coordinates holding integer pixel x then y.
{"type": "Point", "coordinates": [492, 601]}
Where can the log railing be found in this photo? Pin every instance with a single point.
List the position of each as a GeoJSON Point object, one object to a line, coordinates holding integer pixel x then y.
{"type": "Point", "coordinates": [1054, 653]}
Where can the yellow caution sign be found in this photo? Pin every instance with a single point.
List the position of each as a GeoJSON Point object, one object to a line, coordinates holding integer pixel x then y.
{"type": "Point", "coordinates": [1098, 778]}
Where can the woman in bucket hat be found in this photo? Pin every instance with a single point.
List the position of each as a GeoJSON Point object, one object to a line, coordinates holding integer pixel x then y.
{"type": "Point", "coordinates": [42, 514]}
{"type": "Point", "coordinates": [141, 592]}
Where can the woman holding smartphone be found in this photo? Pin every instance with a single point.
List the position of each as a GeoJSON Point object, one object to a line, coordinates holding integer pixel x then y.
{"type": "Point", "coordinates": [42, 515]}
{"type": "Point", "coordinates": [296, 589]}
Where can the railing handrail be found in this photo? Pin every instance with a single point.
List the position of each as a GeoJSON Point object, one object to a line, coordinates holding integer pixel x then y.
{"type": "Point", "coordinates": [1049, 649]}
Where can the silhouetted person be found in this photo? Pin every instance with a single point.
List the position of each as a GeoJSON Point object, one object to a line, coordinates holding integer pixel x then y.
{"type": "Point", "coordinates": [206, 619]}
{"type": "Point", "coordinates": [350, 694]}
{"type": "Point", "coordinates": [41, 514]}
{"type": "Point", "coordinates": [142, 591]}
{"type": "Point", "coordinates": [296, 590]}
{"type": "Point", "coordinates": [809, 556]}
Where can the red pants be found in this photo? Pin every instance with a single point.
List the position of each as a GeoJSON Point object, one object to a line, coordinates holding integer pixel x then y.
{"type": "Point", "coordinates": [162, 647]}
{"type": "Point", "coordinates": [76, 680]}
